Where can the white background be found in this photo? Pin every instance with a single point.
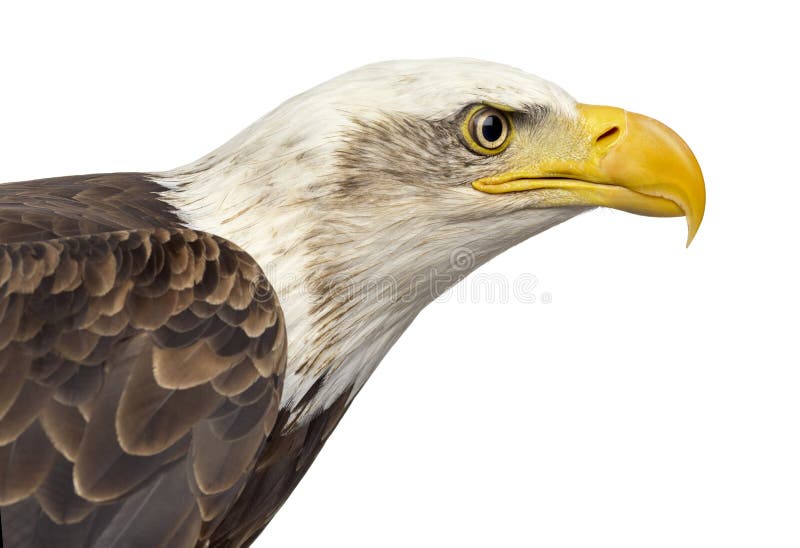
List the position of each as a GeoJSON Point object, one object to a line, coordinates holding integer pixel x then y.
{"type": "Point", "coordinates": [654, 402]}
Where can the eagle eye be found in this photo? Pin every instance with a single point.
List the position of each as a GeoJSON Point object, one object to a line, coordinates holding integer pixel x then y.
{"type": "Point", "coordinates": [487, 130]}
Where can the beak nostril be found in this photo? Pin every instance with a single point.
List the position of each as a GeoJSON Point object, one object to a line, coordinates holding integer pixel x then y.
{"type": "Point", "coordinates": [608, 136]}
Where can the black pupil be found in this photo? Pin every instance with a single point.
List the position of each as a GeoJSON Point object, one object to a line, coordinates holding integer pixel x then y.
{"type": "Point", "coordinates": [492, 128]}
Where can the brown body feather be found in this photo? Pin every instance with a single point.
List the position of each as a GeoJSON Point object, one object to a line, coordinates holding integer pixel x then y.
{"type": "Point", "coordinates": [141, 369]}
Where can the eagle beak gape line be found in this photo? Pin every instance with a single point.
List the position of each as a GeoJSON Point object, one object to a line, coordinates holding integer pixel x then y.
{"type": "Point", "coordinates": [620, 160]}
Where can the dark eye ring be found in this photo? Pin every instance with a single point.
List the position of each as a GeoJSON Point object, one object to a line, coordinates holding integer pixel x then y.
{"type": "Point", "coordinates": [489, 128]}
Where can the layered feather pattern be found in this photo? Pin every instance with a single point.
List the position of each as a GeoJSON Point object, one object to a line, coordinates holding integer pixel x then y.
{"type": "Point", "coordinates": [140, 376]}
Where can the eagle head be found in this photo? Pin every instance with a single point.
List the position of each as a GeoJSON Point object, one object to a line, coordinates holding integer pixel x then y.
{"type": "Point", "coordinates": [358, 195]}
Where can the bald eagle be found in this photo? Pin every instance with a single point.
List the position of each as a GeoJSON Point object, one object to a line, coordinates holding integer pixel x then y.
{"type": "Point", "coordinates": [176, 347]}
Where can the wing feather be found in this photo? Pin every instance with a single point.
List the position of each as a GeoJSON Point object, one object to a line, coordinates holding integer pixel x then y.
{"type": "Point", "coordinates": [140, 375]}
{"type": "Point", "coordinates": [57, 497]}
{"type": "Point", "coordinates": [219, 463]}
{"type": "Point", "coordinates": [151, 417]}
{"type": "Point", "coordinates": [24, 464]}
{"type": "Point", "coordinates": [237, 379]}
{"type": "Point", "coordinates": [64, 426]}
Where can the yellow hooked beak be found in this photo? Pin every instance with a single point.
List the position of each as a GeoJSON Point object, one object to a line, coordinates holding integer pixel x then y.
{"type": "Point", "coordinates": [625, 161]}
